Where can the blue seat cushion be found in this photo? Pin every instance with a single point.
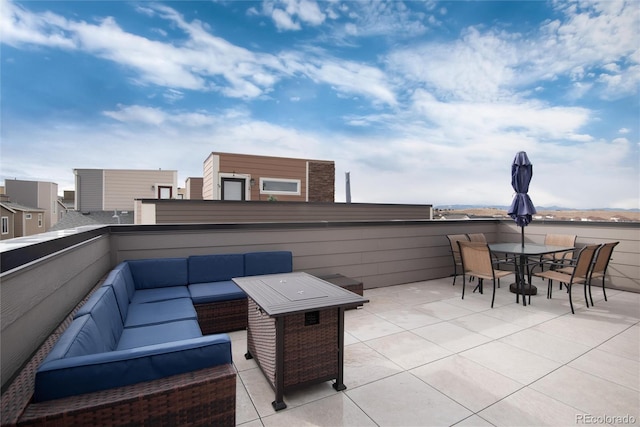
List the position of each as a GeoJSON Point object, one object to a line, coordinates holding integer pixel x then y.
{"type": "Point", "coordinates": [142, 296]}
{"type": "Point", "coordinates": [160, 312]}
{"type": "Point", "coordinates": [256, 263]}
{"type": "Point", "coordinates": [102, 306]}
{"type": "Point", "coordinates": [158, 334]}
{"type": "Point", "coordinates": [158, 273]}
{"type": "Point", "coordinates": [215, 268]}
{"type": "Point", "coordinates": [202, 293]}
{"type": "Point", "coordinates": [85, 374]}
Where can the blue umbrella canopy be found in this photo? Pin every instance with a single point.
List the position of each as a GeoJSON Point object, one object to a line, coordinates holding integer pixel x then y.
{"type": "Point", "coordinates": [521, 209]}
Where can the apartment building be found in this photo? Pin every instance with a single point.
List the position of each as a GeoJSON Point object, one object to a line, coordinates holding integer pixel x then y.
{"type": "Point", "coordinates": [17, 220]}
{"type": "Point", "coordinates": [35, 194]}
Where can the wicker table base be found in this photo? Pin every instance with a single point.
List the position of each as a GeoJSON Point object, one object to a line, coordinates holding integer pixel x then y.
{"type": "Point", "coordinates": [291, 352]}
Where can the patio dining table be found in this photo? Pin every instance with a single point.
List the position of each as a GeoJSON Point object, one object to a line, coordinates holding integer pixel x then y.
{"type": "Point", "coordinates": [521, 253]}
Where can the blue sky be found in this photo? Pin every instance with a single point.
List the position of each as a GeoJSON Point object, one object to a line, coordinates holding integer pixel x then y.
{"type": "Point", "coordinates": [422, 102]}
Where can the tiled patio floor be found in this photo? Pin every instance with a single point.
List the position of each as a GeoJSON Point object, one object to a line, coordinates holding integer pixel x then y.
{"type": "Point", "coordinates": [419, 355]}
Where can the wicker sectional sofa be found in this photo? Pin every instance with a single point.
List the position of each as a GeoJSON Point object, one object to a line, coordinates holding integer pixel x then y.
{"type": "Point", "coordinates": [147, 346]}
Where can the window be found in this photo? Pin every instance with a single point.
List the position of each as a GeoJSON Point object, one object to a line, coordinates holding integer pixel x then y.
{"type": "Point", "coordinates": [165, 192]}
{"type": "Point", "coordinates": [27, 216]}
{"type": "Point", "coordinates": [39, 220]}
{"type": "Point", "coordinates": [279, 186]}
{"type": "Point", "coordinates": [5, 225]}
{"type": "Point", "coordinates": [233, 188]}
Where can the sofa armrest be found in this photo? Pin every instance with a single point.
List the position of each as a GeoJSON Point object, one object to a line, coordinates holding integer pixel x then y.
{"type": "Point", "coordinates": [101, 371]}
{"type": "Point", "coordinates": [204, 397]}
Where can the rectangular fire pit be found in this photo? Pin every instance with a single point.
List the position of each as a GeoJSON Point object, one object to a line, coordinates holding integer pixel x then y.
{"type": "Point", "coordinates": [295, 329]}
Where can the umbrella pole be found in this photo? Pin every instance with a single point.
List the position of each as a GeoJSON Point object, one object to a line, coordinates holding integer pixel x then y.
{"type": "Point", "coordinates": [522, 232]}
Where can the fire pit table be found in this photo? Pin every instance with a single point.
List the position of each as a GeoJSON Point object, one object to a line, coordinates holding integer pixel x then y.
{"type": "Point", "coordinates": [295, 329]}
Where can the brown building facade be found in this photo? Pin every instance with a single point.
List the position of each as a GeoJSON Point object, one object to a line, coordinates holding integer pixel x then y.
{"type": "Point", "coordinates": [229, 176]}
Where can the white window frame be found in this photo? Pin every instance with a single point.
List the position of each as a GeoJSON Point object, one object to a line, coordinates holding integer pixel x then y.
{"type": "Point", "coordinates": [5, 225]}
{"type": "Point", "coordinates": [289, 193]}
{"type": "Point", "coordinates": [40, 220]}
{"type": "Point", "coordinates": [28, 216]}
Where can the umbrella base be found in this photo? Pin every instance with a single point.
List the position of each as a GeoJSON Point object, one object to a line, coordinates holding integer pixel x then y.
{"type": "Point", "coordinates": [527, 289]}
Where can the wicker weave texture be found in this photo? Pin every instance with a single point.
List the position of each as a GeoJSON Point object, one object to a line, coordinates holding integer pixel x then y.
{"type": "Point", "coordinates": [310, 351]}
{"type": "Point", "coordinates": [224, 316]}
{"type": "Point", "coordinates": [205, 398]}
{"type": "Point", "coordinates": [261, 340]}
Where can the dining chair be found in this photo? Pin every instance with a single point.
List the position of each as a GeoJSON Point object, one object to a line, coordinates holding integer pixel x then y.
{"type": "Point", "coordinates": [480, 237]}
{"type": "Point", "coordinates": [598, 267]}
{"type": "Point", "coordinates": [455, 252]}
{"type": "Point", "coordinates": [553, 259]}
{"type": "Point", "coordinates": [476, 261]}
{"type": "Point", "coordinates": [579, 274]}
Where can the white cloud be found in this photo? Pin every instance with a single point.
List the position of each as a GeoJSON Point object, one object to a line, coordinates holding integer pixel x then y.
{"type": "Point", "coordinates": [415, 162]}
{"type": "Point", "coordinates": [288, 15]}
{"type": "Point", "coordinates": [283, 20]}
{"type": "Point", "coordinates": [596, 46]}
{"type": "Point", "coordinates": [203, 62]}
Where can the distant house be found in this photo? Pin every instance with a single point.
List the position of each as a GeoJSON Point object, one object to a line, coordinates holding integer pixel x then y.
{"type": "Point", "coordinates": [116, 189]}
{"type": "Point", "coordinates": [229, 176]}
{"type": "Point", "coordinates": [193, 188]}
{"type": "Point", "coordinates": [35, 194]}
{"type": "Point", "coordinates": [17, 220]}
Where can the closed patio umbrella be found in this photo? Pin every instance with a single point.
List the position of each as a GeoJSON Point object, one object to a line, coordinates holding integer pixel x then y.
{"type": "Point", "coordinates": [522, 209]}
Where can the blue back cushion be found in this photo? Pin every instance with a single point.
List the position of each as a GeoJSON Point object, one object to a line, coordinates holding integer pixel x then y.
{"type": "Point", "coordinates": [125, 271]}
{"type": "Point", "coordinates": [256, 263]}
{"type": "Point", "coordinates": [103, 308]}
{"type": "Point", "coordinates": [215, 268]}
{"type": "Point", "coordinates": [82, 337]}
{"type": "Point", "coordinates": [118, 283]}
{"type": "Point", "coordinates": [158, 273]}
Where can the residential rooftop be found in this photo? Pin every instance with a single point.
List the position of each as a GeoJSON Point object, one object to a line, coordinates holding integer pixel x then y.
{"type": "Point", "coordinates": [416, 354]}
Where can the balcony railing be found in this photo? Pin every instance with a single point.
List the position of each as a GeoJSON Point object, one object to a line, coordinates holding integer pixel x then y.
{"type": "Point", "coordinates": [44, 277]}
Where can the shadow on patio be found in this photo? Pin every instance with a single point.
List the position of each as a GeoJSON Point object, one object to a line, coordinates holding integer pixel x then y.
{"type": "Point", "coordinates": [418, 354]}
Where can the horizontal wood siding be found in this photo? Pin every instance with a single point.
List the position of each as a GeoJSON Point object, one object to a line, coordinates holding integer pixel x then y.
{"type": "Point", "coordinates": [37, 297]}
{"type": "Point", "coordinates": [193, 189]}
{"type": "Point", "coordinates": [122, 187]}
{"type": "Point", "coordinates": [217, 211]}
{"type": "Point", "coordinates": [267, 167]}
{"type": "Point", "coordinates": [89, 190]}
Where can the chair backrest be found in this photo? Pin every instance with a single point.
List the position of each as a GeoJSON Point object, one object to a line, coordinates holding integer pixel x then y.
{"type": "Point", "coordinates": [560, 239]}
{"type": "Point", "coordinates": [566, 240]}
{"type": "Point", "coordinates": [453, 241]}
{"type": "Point", "coordinates": [476, 257]}
{"type": "Point", "coordinates": [583, 263]}
{"type": "Point", "coordinates": [477, 237]}
{"type": "Point", "coordinates": [603, 256]}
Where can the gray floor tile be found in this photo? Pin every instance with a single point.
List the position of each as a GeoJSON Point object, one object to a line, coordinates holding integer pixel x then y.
{"type": "Point", "coordinates": [404, 400]}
